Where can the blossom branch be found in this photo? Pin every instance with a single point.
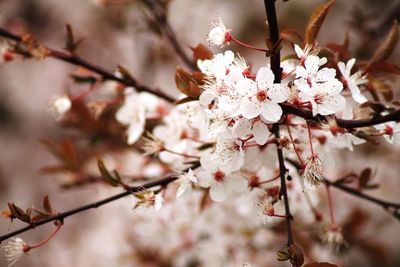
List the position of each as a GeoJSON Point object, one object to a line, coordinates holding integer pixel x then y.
{"type": "Point", "coordinates": [61, 216]}
{"type": "Point", "coordinates": [106, 75]}
{"type": "Point", "coordinates": [276, 69]}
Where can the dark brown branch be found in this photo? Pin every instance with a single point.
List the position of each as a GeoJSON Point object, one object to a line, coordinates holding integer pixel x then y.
{"type": "Point", "coordinates": [61, 216]}
{"type": "Point", "coordinates": [276, 69]}
{"type": "Point", "coordinates": [392, 208]}
{"type": "Point", "coordinates": [75, 60]}
{"type": "Point", "coordinates": [160, 16]}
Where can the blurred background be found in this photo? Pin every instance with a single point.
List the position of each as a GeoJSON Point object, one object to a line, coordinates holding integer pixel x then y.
{"type": "Point", "coordinates": [120, 34]}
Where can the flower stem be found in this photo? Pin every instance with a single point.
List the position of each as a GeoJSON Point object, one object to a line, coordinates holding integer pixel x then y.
{"type": "Point", "coordinates": [330, 203]}
{"type": "Point", "coordinates": [247, 45]}
{"type": "Point", "coordinates": [41, 243]}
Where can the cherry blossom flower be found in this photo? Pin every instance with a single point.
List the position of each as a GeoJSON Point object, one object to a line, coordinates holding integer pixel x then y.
{"type": "Point", "coordinates": [14, 249]}
{"type": "Point", "coordinates": [391, 131]}
{"type": "Point", "coordinates": [185, 181]}
{"type": "Point", "coordinates": [261, 97]}
{"type": "Point", "coordinates": [228, 153]}
{"type": "Point", "coordinates": [256, 127]}
{"type": "Point", "coordinates": [302, 54]}
{"type": "Point", "coordinates": [325, 97]}
{"type": "Point", "coordinates": [353, 81]}
{"type": "Point", "coordinates": [132, 114]}
{"type": "Point", "coordinates": [219, 34]}
{"type": "Point", "coordinates": [312, 175]}
{"type": "Point", "coordinates": [319, 86]}
{"type": "Point", "coordinates": [221, 182]}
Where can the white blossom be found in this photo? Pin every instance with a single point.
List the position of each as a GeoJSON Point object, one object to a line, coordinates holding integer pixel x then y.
{"type": "Point", "coordinates": [219, 34]}
{"type": "Point", "coordinates": [14, 249]}
{"type": "Point", "coordinates": [353, 81]}
{"type": "Point", "coordinates": [261, 97]}
{"type": "Point", "coordinates": [185, 181]}
{"type": "Point", "coordinates": [391, 131]}
{"type": "Point", "coordinates": [132, 113]}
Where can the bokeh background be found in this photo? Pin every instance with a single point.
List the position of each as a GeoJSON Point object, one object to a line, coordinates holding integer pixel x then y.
{"type": "Point", "coordinates": [119, 34]}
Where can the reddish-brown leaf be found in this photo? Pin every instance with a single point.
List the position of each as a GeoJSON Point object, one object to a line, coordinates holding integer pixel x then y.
{"type": "Point", "coordinates": [316, 20]}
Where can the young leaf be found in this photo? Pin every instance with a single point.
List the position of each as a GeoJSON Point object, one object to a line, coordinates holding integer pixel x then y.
{"type": "Point", "coordinates": [388, 46]}
{"type": "Point", "coordinates": [47, 206]}
{"type": "Point", "coordinates": [316, 20]}
{"type": "Point", "coordinates": [201, 52]}
{"type": "Point", "coordinates": [186, 84]}
{"type": "Point", "coordinates": [70, 44]}
{"type": "Point", "coordinates": [106, 174]}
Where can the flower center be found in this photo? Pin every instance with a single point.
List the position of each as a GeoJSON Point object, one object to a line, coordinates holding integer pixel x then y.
{"type": "Point", "coordinates": [388, 130]}
{"type": "Point", "coordinates": [219, 176]}
{"type": "Point", "coordinates": [261, 95]}
{"type": "Point", "coordinates": [319, 98]}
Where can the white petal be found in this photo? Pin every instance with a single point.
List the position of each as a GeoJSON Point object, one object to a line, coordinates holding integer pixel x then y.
{"type": "Point", "coordinates": [299, 51]}
{"type": "Point", "coordinates": [332, 104]}
{"type": "Point", "coordinates": [216, 36]}
{"type": "Point", "coordinates": [218, 192]}
{"type": "Point", "coordinates": [236, 183]}
{"type": "Point", "coordinates": [278, 93]}
{"type": "Point", "coordinates": [271, 111]}
{"type": "Point", "coordinates": [204, 178]}
{"type": "Point", "coordinates": [246, 87]}
{"type": "Point", "coordinates": [356, 93]}
{"type": "Point", "coordinates": [325, 74]}
{"type": "Point", "coordinates": [260, 132]}
{"type": "Point", "coordinates": [265, 77]}
{"type": "Point", "coordinates": [249, 108]}
{"type": "Point", "coordinates": [241, 128]}
{"type": "Point", "coordinates": [312, 64]}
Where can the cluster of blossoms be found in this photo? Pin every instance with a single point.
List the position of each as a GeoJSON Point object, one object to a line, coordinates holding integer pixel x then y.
{"type": "Point", "coordinates": [222, 146]}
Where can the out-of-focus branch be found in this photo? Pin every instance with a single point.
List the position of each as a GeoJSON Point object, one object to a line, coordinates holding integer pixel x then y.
{"type": "Point", "coordinates": [106, 75]}
{"type": "Point", "coordinates": [392, 208]}
{"type": "Point", "coordinates": [160, 16]}
{"type": "Point", "coordinates": [61, 216]}
{"type": "Point", "coordinates": [287, 107]}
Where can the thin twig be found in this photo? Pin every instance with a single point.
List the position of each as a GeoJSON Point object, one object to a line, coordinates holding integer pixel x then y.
{"type": "Point", "coordinates": [160, 16]}
{"type": "Point", "coordinates": [106, 75]}
{"type": "Point", "coordinates": [61, 216]}
{"type": "Point", "coordinates": [276, 69]}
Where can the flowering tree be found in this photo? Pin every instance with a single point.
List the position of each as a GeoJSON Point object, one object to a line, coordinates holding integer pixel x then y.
{"type": "Point", "coordinates": [238, 159]}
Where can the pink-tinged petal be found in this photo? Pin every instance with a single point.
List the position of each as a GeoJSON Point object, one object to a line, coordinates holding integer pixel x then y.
{"type": "Point", "coordinates": [265, 78]}
{"type": "Point", "coordinates": [325, 75]}
{"type": "Point", "coordinates": [332, 104]}
{"type": "Point", "coordinates": [218, 192]}
{"type": "Point", "coordinates": [260, 132]}
{"type": "Point", "coordinates": [235, 182]}
{"type": "Point", "coordinates": [207, 97]}
{"type": "Point", "coordinates": [302, 85]}
{"type": "Point", "coordinates": [236, 162]}
{"type": "Point", "coordinates": [271, 111]}
{"type": "Point", "coordinates": [241, 128]}
{"type": "Point", "coordinates": [246, 87]}
{"type": "Point", "coordinates": [249, 108]}
{"type": "Point", "coordinates": [312, 64]}
{"type": "Point", "coordinates": [278, 93]}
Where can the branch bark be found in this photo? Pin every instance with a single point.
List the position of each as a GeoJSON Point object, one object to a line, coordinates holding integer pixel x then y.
{"type": "Point", "coordinates": [276, 69]}
{"type": "Point", "coordinates": [61, 216]}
